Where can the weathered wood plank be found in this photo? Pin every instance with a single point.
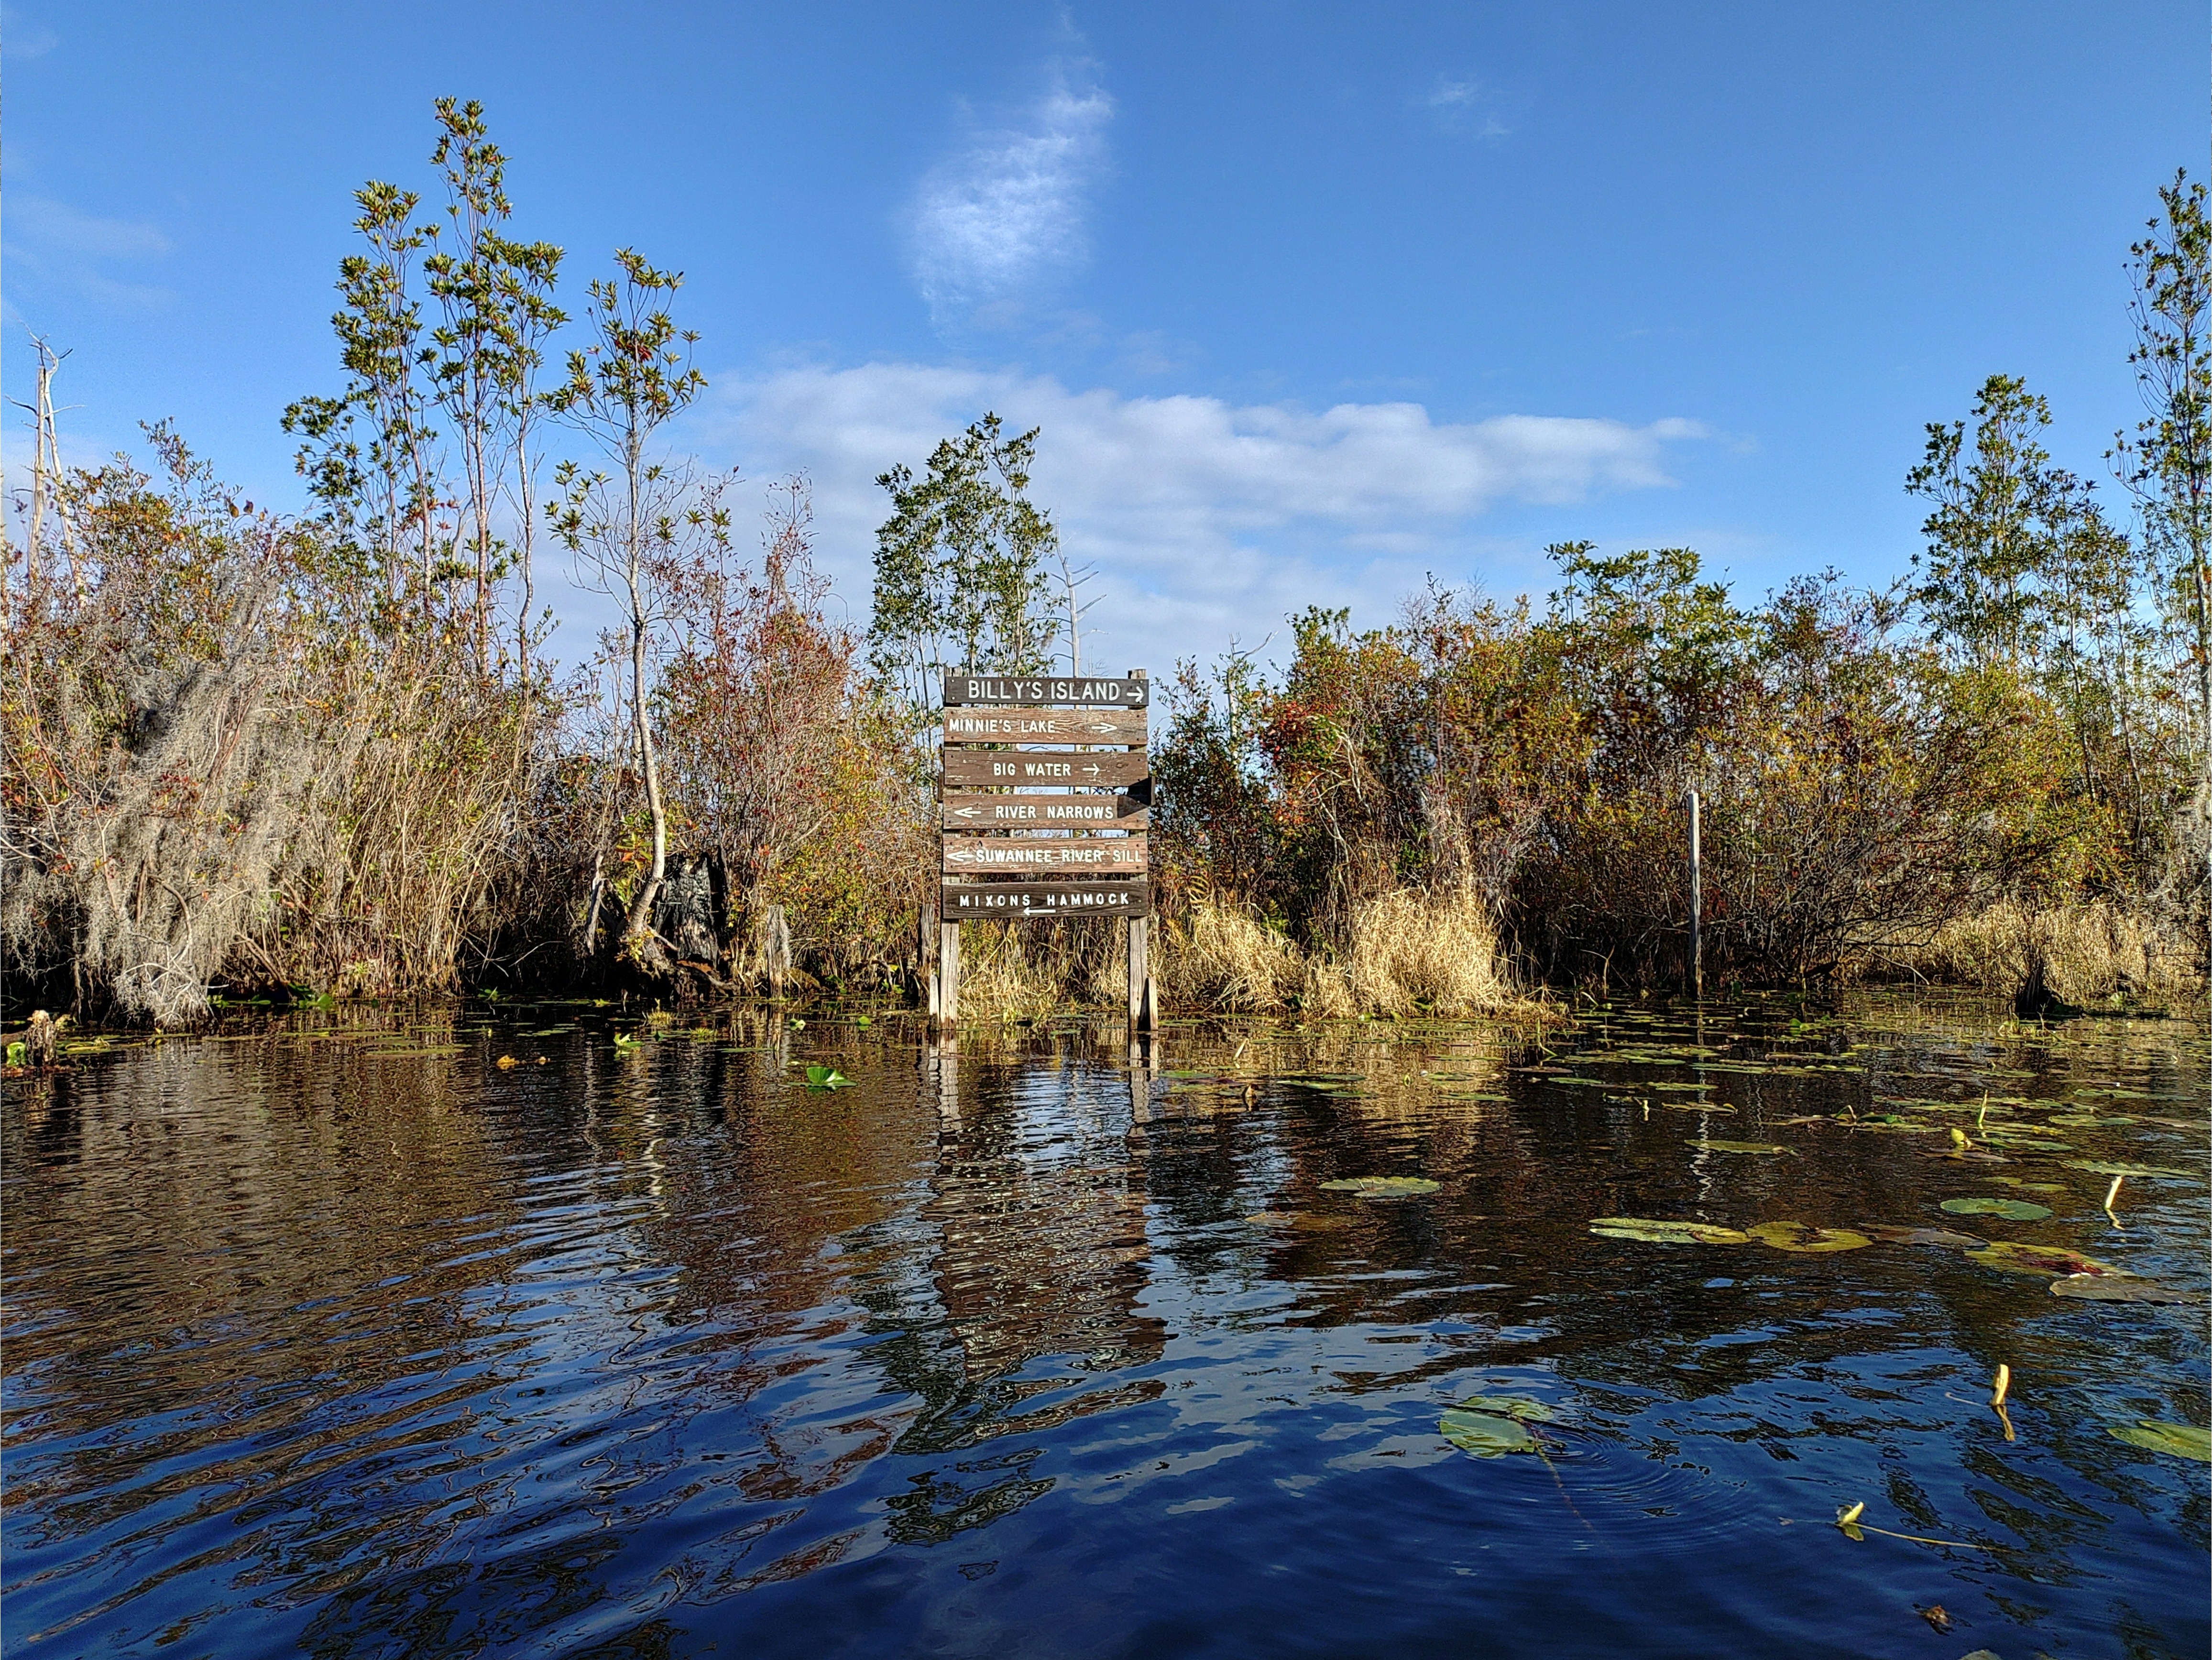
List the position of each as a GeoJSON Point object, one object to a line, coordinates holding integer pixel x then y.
{"type": "Point", "coordinates": [1022, 855]}
{"type": "Point", "coordinates": [969, 769]}
{"type": "Point", "coordinates": [1041, 726]}
{"type": "Point", "coordinates": [1066, 810]}
{"type": "Point", "coordinates": [1093, 691]}
{"type": "Point", "coordinates": [1046, 902]}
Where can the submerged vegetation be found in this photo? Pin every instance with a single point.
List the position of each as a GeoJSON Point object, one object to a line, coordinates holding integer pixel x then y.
{"type": "Point", "coordinates": [333, 753]}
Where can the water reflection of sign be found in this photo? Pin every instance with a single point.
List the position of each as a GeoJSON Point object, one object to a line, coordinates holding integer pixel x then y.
{"type": "Point", "coordinates": [1104, 897]}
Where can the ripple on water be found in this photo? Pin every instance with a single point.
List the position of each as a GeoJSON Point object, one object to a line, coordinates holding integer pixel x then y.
{"type": "Point", "coordinates": [311, 1347]}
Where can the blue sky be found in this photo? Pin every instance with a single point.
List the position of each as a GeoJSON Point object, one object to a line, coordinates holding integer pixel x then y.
{"type": "Point", "coordinates": [1309, 301]}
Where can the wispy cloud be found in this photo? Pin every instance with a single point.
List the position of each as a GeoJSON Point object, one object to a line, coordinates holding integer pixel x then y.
{"type": "Point", "coordinates": [1206, 519]}
{"type": "Point", "coordinates": [1466, 107]}
{"type": "Point", "coordinates": [1009, 211]}
{"type": "Point", "coordinates": [22, 38]}
{"type": "Point", "coordinates": [55, 242]}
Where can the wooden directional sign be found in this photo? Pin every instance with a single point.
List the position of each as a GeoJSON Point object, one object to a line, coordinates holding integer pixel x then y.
{"type": "Point", "coordinates": [970, 769]}
{"type": "Point", "coordinates": [1046, 902]}
{"type": "Point", "coordinates": [1028, 855]}
{"type": "Point", "coordinates": [1131, 693]}
{"type": "Point", "coordinates": [1065, 812]}
{"type": "Point", "coordinates": [1042, 726]}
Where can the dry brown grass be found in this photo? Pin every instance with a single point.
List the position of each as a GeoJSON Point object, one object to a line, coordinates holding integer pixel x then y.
{"type": "Point", "coordinates": [1410, 953]}
{"type": "Point", "coordinates": [1017, 971]}
{"type": "Point", "coordinates": [2088, 954]}
{"type": "Point", "coordinates": [1221, 957]}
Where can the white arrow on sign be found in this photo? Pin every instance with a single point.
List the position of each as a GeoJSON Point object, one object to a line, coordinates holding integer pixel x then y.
{"type": "Point", "coordinates": [966, 812]}
{"type": "Point", "coordinates": [1091, 770]}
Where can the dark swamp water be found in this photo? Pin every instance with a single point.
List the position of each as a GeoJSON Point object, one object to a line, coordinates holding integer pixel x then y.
{"type": "Point", "coordinates": [332, 1337]}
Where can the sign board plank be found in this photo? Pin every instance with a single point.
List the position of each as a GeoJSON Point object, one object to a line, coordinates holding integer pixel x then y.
{"type": "Point", "coordinates": [1094, 692]}
{"type": "Point", "coordinates": [969, 769]}
{"type": "Point", "coordinates": [1023, 725]}
{"type": "Point", "coordinates": [1067, 811]}
{"type": "Point", "coordinates": [1045, 901]}
{"type": "Point", "coordinates": [1024, 855]}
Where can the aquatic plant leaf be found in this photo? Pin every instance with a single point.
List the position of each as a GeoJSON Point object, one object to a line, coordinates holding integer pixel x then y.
{"type": "Point", "coordinates": [1519, 1407]}
{"type": "Point", "coordinates": [1802, 1237]}
{"type": "Point", "coordinates": [2031, 1187]}
{"type": "Point", "coordinates": [2045, 1260]}
{"type": "Point", "coordinates": [2154, 1435]}
{"type": "Point", "coordinates": [1649, 1232]}
{"type": "Point", "coordinates": [1897, 1235]}
{"type": "Point", "coordinates": [1382, 1187]}
{"type": "Point", "coordinates": [1735, 1146]}
{"type": "Point", "coordinates": [1482, 1435]}
{"type": "Point", "coordinates": [825, 1078]}
{"type": "Point", "coordinates": [1900, 1128]}
{"type": "Point", "coordinates": [2101, 1167]}
{"type": "Point", "coordinates": [2119, 1288]}
{"type": "Point", "coordinates": [2013, 1210]}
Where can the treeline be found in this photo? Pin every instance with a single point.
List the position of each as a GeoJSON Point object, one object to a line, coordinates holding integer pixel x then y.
{"type": "Point", "coordinates": [2018, 727]}
{"type": "Point", "coordinates": [333, 752]}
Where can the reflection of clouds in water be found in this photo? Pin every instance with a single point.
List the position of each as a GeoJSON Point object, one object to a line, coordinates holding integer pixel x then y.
{"type": "Point", "coordinates": [365, 1340]}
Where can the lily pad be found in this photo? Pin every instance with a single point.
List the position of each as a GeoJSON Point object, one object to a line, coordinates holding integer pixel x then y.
{"type": "Point", "coordinates": [2183, 1440]}
{"type": "Point", "coordinates": [825, 1078]}
{"type": "Point", "coordinates": [1897, 1235]}
{"type": "Point", "coordinates": [2013, 1210]}
{"type": "Point", "coordinates": [2030, 1187]}
{"type": "Point", "coordinates": [2048, 1261]}
{"type": "Point", "coordinates": [1509, 1405]}
{"type": "Point", "coordinates": [1803, 1238]}
{"type": "Point", "coordinates": [1484, 1435]}
{"type": "Point", "coordinates": [1735, 1146]}
{"type": "Point", "coordinates": [2117, 1288]}
{"type": "Point", "coordinates": [1382, 1187]}
{"type": "Point", "coordinates": [1651, 1232]}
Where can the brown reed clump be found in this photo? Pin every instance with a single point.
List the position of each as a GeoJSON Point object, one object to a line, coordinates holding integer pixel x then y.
{"type": "Point", "coordinates": [1409, 952]}
{"type": "Point", "coordinates": [2079, 953]}
{"type": "Point", "coordinates": [1221, 957]}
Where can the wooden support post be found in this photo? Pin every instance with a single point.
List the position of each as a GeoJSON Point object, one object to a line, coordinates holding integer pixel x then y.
{"type": "Point", "coordinates": [1140, 973]}
{"type": "Point", "coordinates": [1697, 907]}
{"type": "Point", "coordinates": [948, 971]}
{"type": "Point", "coordinates": [925, 959]}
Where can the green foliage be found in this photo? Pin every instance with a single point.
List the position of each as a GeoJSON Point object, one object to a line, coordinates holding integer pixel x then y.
{"type": "Point", "coordinates": [959, 565]}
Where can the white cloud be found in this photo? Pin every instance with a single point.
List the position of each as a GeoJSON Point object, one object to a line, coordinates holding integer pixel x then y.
{"type": "Point", "coordinates": [1466, 107]}
{"type": "Point", "coordinates": [65, 245]}
{"type": "Point", "coordinates": [21, 38]}
{"type": "Point", "coordinates": [57, 227]}
{"type": "Point", "coordinates": [1206, 519]}
{"type": "Point", "coordinates": [1008, 211]}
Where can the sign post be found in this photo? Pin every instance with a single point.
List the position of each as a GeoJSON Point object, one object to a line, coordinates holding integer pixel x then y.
{"type": "Point", "coordinates": [1044, 798]}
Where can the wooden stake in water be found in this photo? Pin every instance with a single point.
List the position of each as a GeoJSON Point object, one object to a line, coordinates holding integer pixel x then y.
{"type": "Point", "coordinates": [1697, 907]}
{"type": "Point", "coordinates": [948, 971]}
